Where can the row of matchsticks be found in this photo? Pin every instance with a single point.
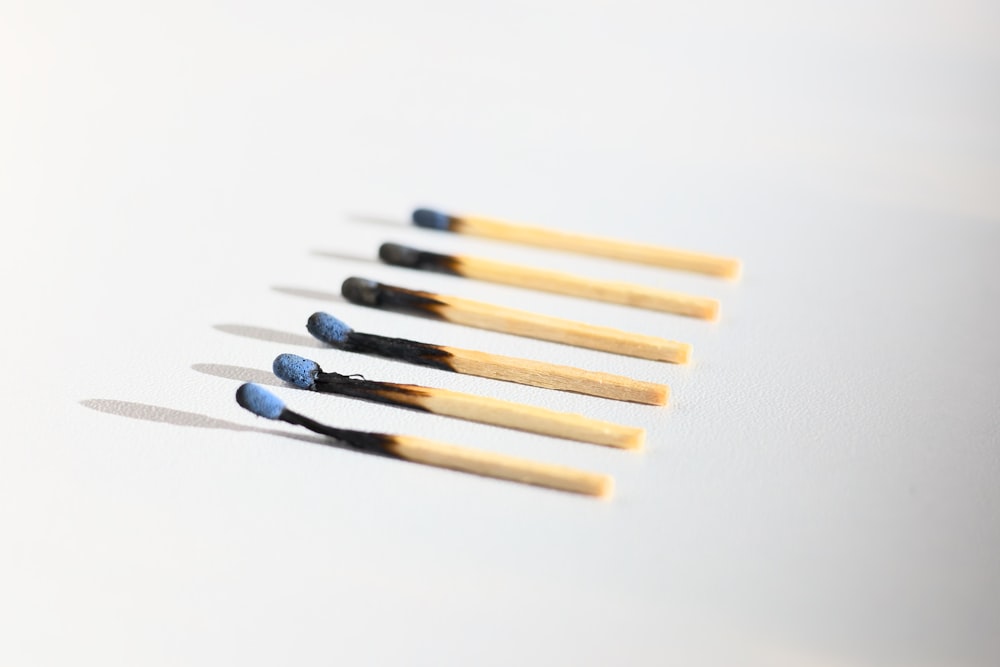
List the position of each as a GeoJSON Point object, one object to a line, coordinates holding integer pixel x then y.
{"type": "Point", "coordinates": [307, 374]}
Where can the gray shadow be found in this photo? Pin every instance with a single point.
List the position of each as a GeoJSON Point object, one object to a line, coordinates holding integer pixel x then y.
{"type": "Point", "coordinates": [268, 335]}
{"type": "Point", "coordinates": [377, 220]}
{"type": "Point", "coordinates": [330, 254]}
{"type": "Point", "coordinates": [239, 373]}
{"type": "Point", "coordinates": [309, 293]}
{"type": "Point", "coordinates": [161, 415]}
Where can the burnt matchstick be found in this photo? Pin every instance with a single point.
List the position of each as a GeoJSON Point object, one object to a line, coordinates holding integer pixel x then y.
{"type": "Point", "coordinates": [307, 374]}
{"type": "Point", "coordinates": [508, 320]}
{"type": "Point", "coordinates": [685, 260]}
{"type": "Point", "coordinates": [336, 333]}
{"type": "Point", "coordinates": [550, 281]}
{"type": "Point", "coordinates": [263, 403]}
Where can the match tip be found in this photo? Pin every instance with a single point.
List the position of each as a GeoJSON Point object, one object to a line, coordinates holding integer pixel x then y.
{"type": "Point", "coordinates": [361, 290]}
{"type": "Point", "coordinates": [259, 401]}
{"type": "Point", "coordinates": [328, 329]}
{"type": "Point", "coordinates": [399, 255]}
{"type": "Point", "coordinates": [431, 219]}
{"type": "Point", "coordinates": [296, 370]}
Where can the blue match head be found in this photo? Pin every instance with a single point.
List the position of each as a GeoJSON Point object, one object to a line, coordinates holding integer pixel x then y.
{"type": "Point", "coordinates": [328, 329]}
{"type": "Point", "coordinates": [259, 401]}
{"type": "Point", "coordinates": [431, 219]}
{"type": "Point", "coordinates": [296, 370]}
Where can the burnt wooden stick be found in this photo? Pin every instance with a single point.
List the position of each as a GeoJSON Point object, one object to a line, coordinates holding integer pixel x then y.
{"type": "Point", "coordinates": [509, 320]}
{"type": "Point", "coordinates": [557, 282]}
{"type": "Point", "coordinates": [336, 333]}
{"type": "Point", "coordinates": [307, 374]}
{"type": "Point", "coordinates": [261, 402]}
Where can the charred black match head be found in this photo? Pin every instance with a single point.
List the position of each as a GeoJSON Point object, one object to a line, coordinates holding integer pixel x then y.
{"type": "Point", "coordinates": [361, 291]}
{"type": "Point", "coordinates": [411, 258]}
{"type": "Point", "coordinates": [366, 292]}
{"type": "Point", "coordinates": [431, 219]}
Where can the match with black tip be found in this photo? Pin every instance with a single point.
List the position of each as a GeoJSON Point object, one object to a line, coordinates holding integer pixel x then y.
{"type": "Point", "coordinates": [373, 294]}
{"type": "Point", "coordinates": [423, 260]}
{"type": "Point", "coordinates": [529, 277]}
{"type": "Point", "coordinates": [307, 374]}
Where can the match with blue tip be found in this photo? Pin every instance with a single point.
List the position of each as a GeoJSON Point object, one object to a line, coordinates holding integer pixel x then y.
{"type": "Point", "coordinates": [511, 232]}
{"type": "Point", "coordinates": [259, 401]}
{"type": "Point", "coordinates": [528, 277]}
{"type": "Point", "coordinates": [263, 403]}
{"type": "Point", "coordinates": [338, 334]}
{"type": "Point", "coordinates": [488, 316]}
{"type": "Point", "coordinates": [296, 370]}
{"type": "Point", "coordinates": [307, 374]}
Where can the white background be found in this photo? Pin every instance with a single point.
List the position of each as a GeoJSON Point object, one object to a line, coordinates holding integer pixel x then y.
{"type": "Point", "coordinates": [177, 186]}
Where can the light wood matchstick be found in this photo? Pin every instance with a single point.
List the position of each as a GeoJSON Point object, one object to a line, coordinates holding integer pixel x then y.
{"type": "Point", "coordinates": [333, 331]}
{"type": "Point", "coordinates": [550, 281]}
{"type": "Point", "coordinates": [307, 374]}
{"type": "Point", "coordinates": [261, 402]}
{"type": "Point", "coordinates": [685, 260]}
{"type": "Point", "coordinates": [508, 320]}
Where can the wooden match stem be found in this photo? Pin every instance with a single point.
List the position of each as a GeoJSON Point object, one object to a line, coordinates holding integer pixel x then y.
{"type": "Point", "coordinates": [568, 332]}
{"type": "Point", "coordinates": [552, 376]}
{"type": "Point", "coordinates": [485, 410]}
{"type": "Point", "coordinates": [713, 265]}
{"type": "Point", "coordinates": [550, 281]}
{"type": "Point", "coordinates": [508, 320]}
{"type": "Point", "coordinates": [487, 464]}
{"type": "Point", "coordinates": [508, 369]}
{"type": "Point", "coordinates": [529, 418]}
{"type": "Point", "coordinates": [500, 466]}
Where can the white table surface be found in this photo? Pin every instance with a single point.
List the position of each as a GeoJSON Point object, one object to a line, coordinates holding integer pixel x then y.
{"type": "Point", "coordinates": [180, 186]}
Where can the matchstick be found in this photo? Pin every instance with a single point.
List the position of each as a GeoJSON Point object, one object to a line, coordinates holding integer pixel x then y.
{"type": "Point", "coordinates": [508, 320]}
{"type": "Point", "coordinates": [684, 260]}
{"type": "Point", "coordinates": [550, 281]}
{"type": "Point", "coordinates": [307, 374]}
{"type": "Point", "coordinates": [333, 331]}
{"type": "Point", "coordinates": [261, 402]}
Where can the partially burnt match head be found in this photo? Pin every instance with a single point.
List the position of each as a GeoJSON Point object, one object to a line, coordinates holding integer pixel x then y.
{"type": "Point", "coordinates": [329, 329]}
{"type": "Point", "coordinates": [412, 258]}
{"type": "Point", "coordinates": [431, 219]}
{"type": "Point", "coordinates": [296, 370]}
{"type": "Point", "coordinates": [336, 333]}
{"type": "Point", "coordinates": [259, 401]}
{"type": "Point", "coordinates": [364, 292]}
{"type": "Point", "coordinates": [307, 374]}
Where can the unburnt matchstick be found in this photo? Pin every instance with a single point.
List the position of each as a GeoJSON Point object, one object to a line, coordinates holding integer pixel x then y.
{"type": "Point", "coordinates": [550, 281]}
{"type": "Point", "coordinates": [508, 320]}
{"type": "Point", "coordinates": [336, 333]}
{"type": "Point", "coordinates": [263, 403]}
{"type": "Point", "coordinates": [685, 260]}
{"type": "Point", "coordinates": [307, 374]}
